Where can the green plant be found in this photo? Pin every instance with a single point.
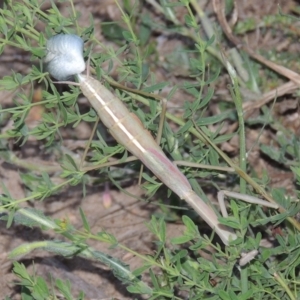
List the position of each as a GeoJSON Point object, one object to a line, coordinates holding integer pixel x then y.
{"type": "Point", "coordinates": [183, 272]}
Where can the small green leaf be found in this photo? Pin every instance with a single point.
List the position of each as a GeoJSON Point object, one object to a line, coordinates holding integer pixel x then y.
{"type": "Point", "coordinates": [230, 221]}
{"type": "Point", "coordinates": [69, 164]}
{"type": "Point", "coordinates": [84, 220]}
{"type": "Point", "coordinates": [214, 119]}
{"type": "Point", "coordinates": [138, 288]}
{"type": "Point", "coordinates": [3, 27]}
{"type": "Point", "coordinates": [156, 87]}
{"type": "Point", "coordinates": [224, 295]}
{"type": "Point", "coordinates": [224, 138]}
{"type": "Point", "coordinates": [144, 33]}
{"type": "Point", "coordinates": [190, 21]}
{"type": "Point", "coordinates": [8, 83]}
{"type": "Point", "coordinates": [65, 288]}
{"type": "Point", "coordinates": [20, 270]}
{"type": "Point", "coordinates": [10, 218]}
{"type": "Point", "coordinates": [40, 289]}
{"type": "Point", "coordinates": [181, 239]}
{"type": "Point", "coordinates": [139, 271]}
{"type": "Point", "coordinates": [191, 227]}
{"type": "Point", "coordinates": [127, 35]}
{"type": "Point", "coordinates": [185, 127]}
{"type": "Point", "coordinates": [112, 31]}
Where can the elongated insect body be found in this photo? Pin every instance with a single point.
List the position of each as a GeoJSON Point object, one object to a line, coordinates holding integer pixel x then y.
{"type": "Point", "coordinates": [64, 58]}
{"type": "Point", "coordinates": [128, 130]}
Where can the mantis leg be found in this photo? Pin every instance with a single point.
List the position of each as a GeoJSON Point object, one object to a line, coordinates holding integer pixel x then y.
{"type": "Point", "coordinates": [246, 198]}
{"type": "Point", "coordinates": [159, 132]}
{"type": "Point", "coordinates": [88, 144]}
{"type": "Point", "coordinates": [245, 257]}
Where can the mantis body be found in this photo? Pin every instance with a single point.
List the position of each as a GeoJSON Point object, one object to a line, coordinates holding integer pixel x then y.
{"type": "Point", "coordinates": [127, 129]}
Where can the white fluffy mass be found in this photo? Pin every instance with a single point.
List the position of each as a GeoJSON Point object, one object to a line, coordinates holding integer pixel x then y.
{"type": "Point", "coordinates": [64, 56]}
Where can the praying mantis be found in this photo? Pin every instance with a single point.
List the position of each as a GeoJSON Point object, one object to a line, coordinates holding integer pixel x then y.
{"type": "Point", "coordinates": [129, 131]}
